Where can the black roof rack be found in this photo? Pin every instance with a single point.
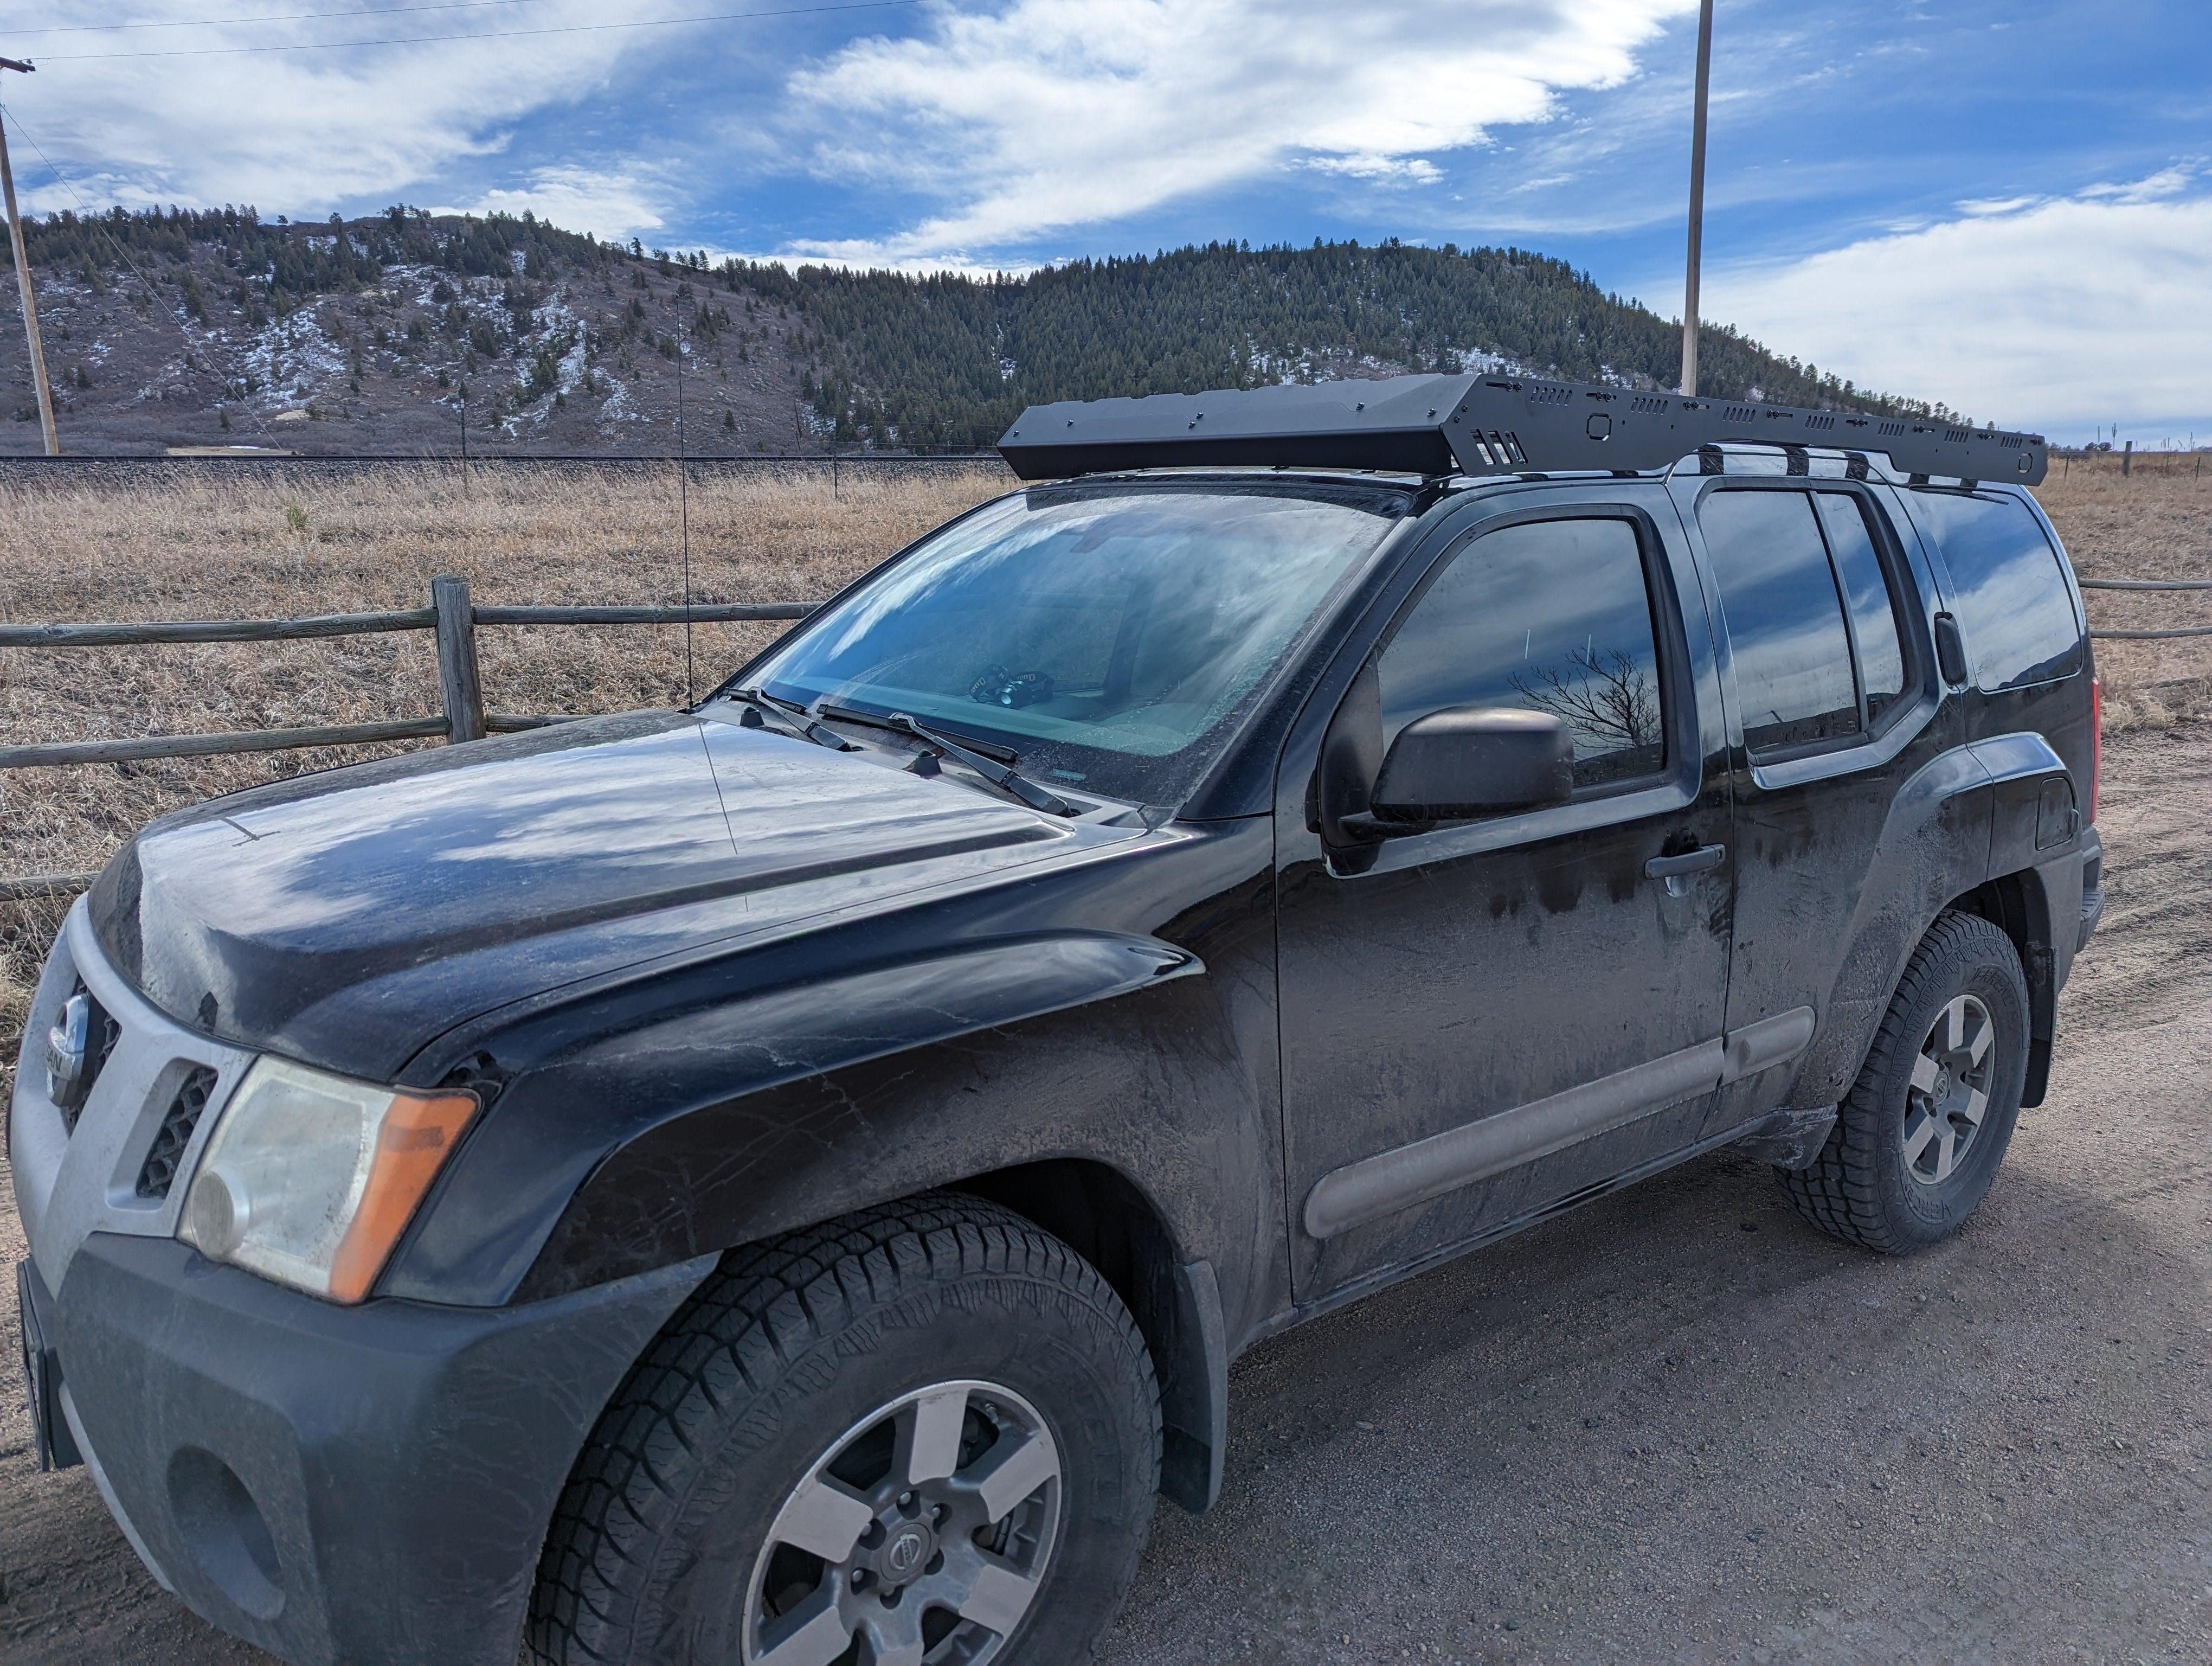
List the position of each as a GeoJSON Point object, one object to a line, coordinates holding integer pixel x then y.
{"type": "Point", "coordinates": [1479, 424]}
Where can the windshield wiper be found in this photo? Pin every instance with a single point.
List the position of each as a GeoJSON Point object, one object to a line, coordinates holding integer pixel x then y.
{"type": "Point", "coordinates": [795, 715]}
{"type": "Point", "coordinates": [1002, 775]}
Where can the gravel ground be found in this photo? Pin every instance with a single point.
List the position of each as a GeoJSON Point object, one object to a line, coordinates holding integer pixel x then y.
{"type": "Point", "coordinates": [1678, 1425]}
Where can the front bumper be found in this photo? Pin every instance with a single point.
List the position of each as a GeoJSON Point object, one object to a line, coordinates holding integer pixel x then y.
{"type": "Point", "coordinates": [367, 1484]}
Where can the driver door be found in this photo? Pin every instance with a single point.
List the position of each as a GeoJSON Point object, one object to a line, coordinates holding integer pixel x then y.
{"type": "Point", "coordinates": [1483, 1020]}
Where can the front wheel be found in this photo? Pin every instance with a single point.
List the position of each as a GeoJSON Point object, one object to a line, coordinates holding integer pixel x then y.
{"type": "Point", "coordinates": [1918, 1141]}
{"type": "Point", "coordinates": [926, 1434]}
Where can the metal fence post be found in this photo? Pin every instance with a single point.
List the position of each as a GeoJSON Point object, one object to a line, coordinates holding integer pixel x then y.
{"type": "Point", "coordinates": [459, 683]}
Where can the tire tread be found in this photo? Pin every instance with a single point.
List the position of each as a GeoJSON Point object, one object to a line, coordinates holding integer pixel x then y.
{"type": "Point", "coordinates": [1840, 1192]}
{"type": "Point", "coordinates": [757, 1319]}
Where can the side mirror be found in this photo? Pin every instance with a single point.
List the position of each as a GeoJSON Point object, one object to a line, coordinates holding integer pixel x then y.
{"type": "Point", "coordinates": [1468, 761]}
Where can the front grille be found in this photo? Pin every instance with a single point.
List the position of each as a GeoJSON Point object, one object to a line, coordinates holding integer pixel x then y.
{"type": "Point", "coordinates": [160, 1171]}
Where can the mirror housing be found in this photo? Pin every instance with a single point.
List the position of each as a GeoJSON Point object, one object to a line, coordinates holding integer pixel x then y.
{"type": "Point", "coordinates": [1469, 761]}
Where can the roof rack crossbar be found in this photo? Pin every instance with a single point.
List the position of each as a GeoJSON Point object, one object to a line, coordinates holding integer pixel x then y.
{"type": "Point", "coordinates": [1483, 424]}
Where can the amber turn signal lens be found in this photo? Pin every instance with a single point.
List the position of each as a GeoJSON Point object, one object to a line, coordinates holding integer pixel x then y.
{"type": "Point", "coordinates": [419, 1133]}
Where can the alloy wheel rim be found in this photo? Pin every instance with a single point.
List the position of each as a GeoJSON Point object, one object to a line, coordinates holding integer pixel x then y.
{"type": "Point", "coordinates": [1949, 1093]}
{"type": "Point", "coordinates": [920, 1538]}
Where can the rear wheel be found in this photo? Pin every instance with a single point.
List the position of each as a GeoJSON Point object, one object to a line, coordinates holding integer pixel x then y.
{"type": "Point", "coordinates": [1919, 1139]}
{"type": "Point", "coordinates": [928, 1434]}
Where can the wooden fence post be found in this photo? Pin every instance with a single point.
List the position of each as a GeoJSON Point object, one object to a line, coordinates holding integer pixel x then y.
{"type": "Point", "coordinates": [459, 680]}
{"type": "Point", "coordinates": [2128, 460]}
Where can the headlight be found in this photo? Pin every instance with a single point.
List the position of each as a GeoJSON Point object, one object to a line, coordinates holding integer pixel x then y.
{"type": "Point", "coordinates": [309, 1179]}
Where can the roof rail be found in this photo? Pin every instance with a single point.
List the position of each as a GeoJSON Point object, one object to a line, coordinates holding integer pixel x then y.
{"type": "Point", "coordinates": [1479, 424]}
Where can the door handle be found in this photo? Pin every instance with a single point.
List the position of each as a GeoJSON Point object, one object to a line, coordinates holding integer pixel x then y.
{"type": "Point", "coordinates": [1676, 870]}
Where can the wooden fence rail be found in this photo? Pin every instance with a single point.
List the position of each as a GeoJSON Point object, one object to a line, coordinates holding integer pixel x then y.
{"type": "Point", "coordinates": [461, 716]}
{"type": "Point", "coordinates": [450, 615]}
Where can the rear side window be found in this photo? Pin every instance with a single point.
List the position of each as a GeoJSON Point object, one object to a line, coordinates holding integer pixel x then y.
{"type": "Point", "coordinates": [1866, 589]}
{"type": "Point", "coordinates": [2012, 600]}
{"type": "Point", "coordinates": [1550, 616]}
{"type": "Point", "coordinates": [1785, 619]}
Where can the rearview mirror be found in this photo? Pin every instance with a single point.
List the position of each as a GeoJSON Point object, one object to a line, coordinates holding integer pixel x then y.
{"type": "Point", "coordinates": [1468, 761]}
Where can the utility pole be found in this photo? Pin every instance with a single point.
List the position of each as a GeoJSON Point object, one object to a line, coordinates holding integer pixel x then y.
{"type": "Point", "coordinates": [23, 285]}
{"type": "Point", "coordinates": [1697, 200]}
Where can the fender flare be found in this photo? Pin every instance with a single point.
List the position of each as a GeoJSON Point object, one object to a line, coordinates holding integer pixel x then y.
{"type": "Point", "coordinates": [633, 1187]}
{"type": "Point", "coordinates": [1956, 824]}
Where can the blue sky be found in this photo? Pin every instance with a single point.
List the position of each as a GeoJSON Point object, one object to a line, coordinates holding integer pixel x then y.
{"type": "Point", "coordinates": [2007, 206]}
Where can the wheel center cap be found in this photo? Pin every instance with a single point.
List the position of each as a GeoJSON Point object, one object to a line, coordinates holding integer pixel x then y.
{"type": "Point", "coordinates": [906, 1551]}
{"type": "Point", "coordinates": [1943, 1082]}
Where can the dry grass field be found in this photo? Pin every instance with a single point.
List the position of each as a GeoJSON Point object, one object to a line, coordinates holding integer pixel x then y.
{"type": "Point", "coordinates": [202, 544]}
{"type": "Point", "coordinates": [212, 544]}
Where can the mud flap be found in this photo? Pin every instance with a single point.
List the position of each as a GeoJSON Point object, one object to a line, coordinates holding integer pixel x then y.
{"type": "Point", "coordinates": [1789, 1139]}
{"type": "Point", "coordinates": [1194, 1398]}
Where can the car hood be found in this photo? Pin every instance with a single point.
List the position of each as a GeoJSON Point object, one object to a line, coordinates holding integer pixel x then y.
{"type": "Point", "coordinates": [347, 918]}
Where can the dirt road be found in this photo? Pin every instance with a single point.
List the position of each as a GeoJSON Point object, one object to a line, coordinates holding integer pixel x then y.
{"type": "Point", "coordinates": [1677, 1426]}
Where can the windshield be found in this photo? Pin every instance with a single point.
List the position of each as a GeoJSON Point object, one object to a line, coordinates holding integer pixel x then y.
{"type": "Point", "coordinates": [1110, 636]}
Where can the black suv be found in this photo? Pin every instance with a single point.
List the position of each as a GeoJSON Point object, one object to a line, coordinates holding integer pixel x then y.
{"type": "Point", "coordinates": [783, 1182]}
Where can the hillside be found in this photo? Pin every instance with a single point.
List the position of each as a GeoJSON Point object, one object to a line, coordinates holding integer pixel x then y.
{"type": "Point", "coordinates": [199, 328]}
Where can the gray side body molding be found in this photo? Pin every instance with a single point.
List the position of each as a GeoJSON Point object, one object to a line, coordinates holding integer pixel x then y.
{"type": "Point", "coordinates": [1400, 1179]}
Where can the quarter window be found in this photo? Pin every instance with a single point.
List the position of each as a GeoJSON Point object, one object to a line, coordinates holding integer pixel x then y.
{"type": "Point", "coordinates": [1550, 616]}
{"type": "Point", "coordinates": [1785, 619]}
{"type": "Point", "coordinates": [2012, 598]}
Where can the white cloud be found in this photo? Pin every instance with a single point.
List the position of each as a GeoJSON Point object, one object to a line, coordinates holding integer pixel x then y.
{"type": "Point", "coordinates": [2054, 314]}
{"type": "Point", "coordinates": [618, 204]}
{"type": "Point", "coordinates": [1381, 170]}
{"type": "Point", "coordinates": [1043, 114]}
{"type": "Point", "coordinates": [296, 130]}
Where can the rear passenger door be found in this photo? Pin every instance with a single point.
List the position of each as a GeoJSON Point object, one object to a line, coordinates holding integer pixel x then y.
{"type": "Point", "coordinates": [1827, 668]}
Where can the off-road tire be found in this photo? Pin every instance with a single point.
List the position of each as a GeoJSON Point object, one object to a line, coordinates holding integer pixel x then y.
{"type": "Point", "coordinates": [1858, 1189]}
{"type": "Point", "coordinates": [651, 1547]}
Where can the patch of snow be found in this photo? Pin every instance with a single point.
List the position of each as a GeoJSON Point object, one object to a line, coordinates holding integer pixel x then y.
{"type": "Point", "coordinates": [291, 358]}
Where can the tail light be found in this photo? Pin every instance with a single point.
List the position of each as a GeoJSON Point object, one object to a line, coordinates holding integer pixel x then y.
{"type": "Point", "coordinates": [2096, 741]}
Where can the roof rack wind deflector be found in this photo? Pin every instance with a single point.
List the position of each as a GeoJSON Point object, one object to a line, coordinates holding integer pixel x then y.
{"type": "Point", "coordinates": [1479, 424]}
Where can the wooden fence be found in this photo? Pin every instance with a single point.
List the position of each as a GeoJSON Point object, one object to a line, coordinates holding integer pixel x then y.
{"type": "Point", "coordinates": [462, 716]}
{"type": "Point", "coordinates": [455, 620]}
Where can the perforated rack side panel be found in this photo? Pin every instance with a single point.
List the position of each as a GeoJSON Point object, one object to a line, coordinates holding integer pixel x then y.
{"type": "Point", "coordinates": [1505, 424]}
{"type": "Point", "coordinates": [1436, 424]}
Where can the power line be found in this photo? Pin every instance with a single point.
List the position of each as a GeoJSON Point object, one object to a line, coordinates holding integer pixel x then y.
{"type": "Point", "coordinates": [274, 17]}
{"type": "Point", "coordinates": [487, 34]}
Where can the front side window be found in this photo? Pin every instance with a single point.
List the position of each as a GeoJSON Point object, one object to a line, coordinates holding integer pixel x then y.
{"type": "Point", "coordinates": [1110, 636]}
{"type": "Point", "coordinates": [1785, 619]}
{"type": "Point", "coordinates": [1549, 616]}
{"type": "Point", "coordinates": [2012, 600]}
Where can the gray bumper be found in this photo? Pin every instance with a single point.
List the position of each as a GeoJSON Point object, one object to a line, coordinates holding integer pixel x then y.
{"type": "Point", "coordinates": [368, 1484]}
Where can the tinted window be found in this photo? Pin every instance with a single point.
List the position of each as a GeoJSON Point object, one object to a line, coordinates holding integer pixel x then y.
{"type": "Point", "coordinates": [1874, 617]}
{"type": "Point", "coordinates": [2012, 598]}
{"type": "Point", "coordinates": [1785, 621]}
{"type": "Point", "coordinates": [1552, 616]}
